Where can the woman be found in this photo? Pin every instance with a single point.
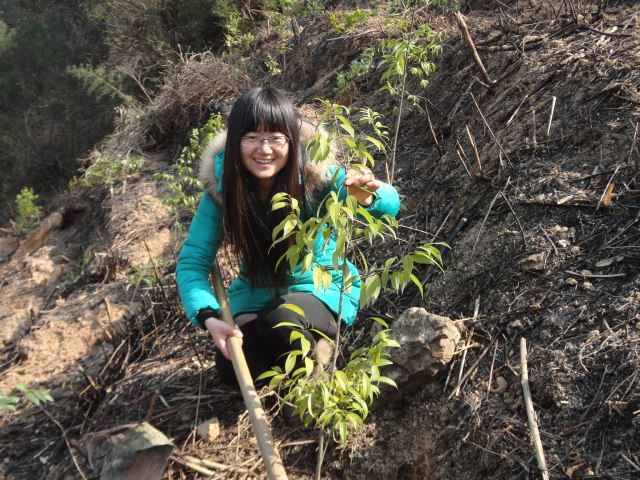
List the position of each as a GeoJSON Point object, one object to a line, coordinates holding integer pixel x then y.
{"type": "Point", "coordinates": [263, 153]}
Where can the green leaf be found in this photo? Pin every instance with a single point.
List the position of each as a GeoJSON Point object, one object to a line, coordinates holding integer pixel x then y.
{"type": "Point", "coordinates": [388, 381]}
{"type": "Point", "coordinates": [293, 255]}
{"type": "Point", "coordinates": [341, 426]}
{"type": "Point", "coordinates": [289, 364]}
{"type": "Point", "coordinates": [327, 279]}
{"type": "Point", "coordinates": [418, 284]}
{"type": "Point", "coordinates": [278, 205]}
{"type": "Point", "coordinates": [307, 261]}
{"type": "Point", "coordinates": [267, 374]}
{"type": "Point", "coordinates": [295, 309]}
{"type": "Point", "coordinates": [379, 145]}
{"type": "Point", "coordinates": [350, 142]}
{"type": "Point", "coordinates": [355, 420]}
{"type": "Point", "coordinates": [308, 363]}
{"type": "Point", "coordinates": [396, 280]}
{"type": "Point", "coordinates": [289, 324]}
{"type": "Point", "coordinates": [341, 380]}
{"type": "Point", "coordinates": [317, 274]}
{"type": "Point", "coordinates": [305, 346]}
{"type": "Point", "coordinates": [295, 335]}
{"type": "Point", "coordinates": [276, 380]}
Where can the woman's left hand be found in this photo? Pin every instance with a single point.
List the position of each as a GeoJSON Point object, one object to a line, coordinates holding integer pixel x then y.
{"type": "Point", "coordinates": [360, 177]}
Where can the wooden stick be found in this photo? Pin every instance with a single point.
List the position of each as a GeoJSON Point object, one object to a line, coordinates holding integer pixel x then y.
{"type": "Point", "coordinates": [531, 414]}
{"type": "Point", "coordinates": [553, 107]}
{"type": "Point", "coordinates": [475, 149]}
{"type": "Point", "coordinates": [495, 139]}
{"type": "Point", "coordinates": [270, 456]}
{"type": "Point", "coordinates": [465, 165]}
{"type": "Point", "coordinates": [456, 390]}
{"type": "Point", "coordinates": [467, 38]}
{"type": "Point", "coordinates": [471, 369]}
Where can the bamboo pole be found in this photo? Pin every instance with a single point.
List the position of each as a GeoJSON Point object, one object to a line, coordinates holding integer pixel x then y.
{"type": "Point", "coordinates": [270, 456]}
{"type": "Point", "coordinates": [531, 413]}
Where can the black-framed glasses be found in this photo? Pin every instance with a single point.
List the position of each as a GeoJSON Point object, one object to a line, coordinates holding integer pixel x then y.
{"type": "Point", "coordinates": [277, 141]}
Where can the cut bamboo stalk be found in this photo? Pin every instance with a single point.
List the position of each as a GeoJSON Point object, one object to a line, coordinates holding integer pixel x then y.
{"type": "Point", "coordinates": [474, 53]}
{"type": "Point", "coordinates": [531, 413]}
{"type": "Point", "coordinates": [270, 456]}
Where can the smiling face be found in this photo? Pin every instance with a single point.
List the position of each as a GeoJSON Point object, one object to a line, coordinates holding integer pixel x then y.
{"type": "Point", "coordinates": [264, 162]}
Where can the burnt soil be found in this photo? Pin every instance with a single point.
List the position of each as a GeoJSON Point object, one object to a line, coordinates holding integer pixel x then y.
{"type": "Point", "coordinates": [531, 179]}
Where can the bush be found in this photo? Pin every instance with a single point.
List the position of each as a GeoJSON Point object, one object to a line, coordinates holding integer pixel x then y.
{"type": "Point", "coordinates": [28, 211]}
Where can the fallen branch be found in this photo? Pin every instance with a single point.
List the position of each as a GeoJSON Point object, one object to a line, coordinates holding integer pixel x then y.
{"type": "Point", "coordinates": [66, 440]}
{"type": "Point", "coordinates": [467, 38]}
{"type": "Point", "coordinates": [531, 414]}
{"type": "Point", "coordinates": [203, 466]}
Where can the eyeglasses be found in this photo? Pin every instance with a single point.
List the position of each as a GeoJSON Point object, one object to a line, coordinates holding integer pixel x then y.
{"type": "Point", "coordinates": [277, 141]}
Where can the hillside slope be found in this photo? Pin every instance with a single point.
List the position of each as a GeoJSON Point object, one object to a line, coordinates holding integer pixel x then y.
{"type": "Point", "coordinates": [513, 174]}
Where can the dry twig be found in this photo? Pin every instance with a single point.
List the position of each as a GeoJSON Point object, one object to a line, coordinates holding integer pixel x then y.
{"type": "Point", "coordinates": [466, 349]}
{"type": "Point", "coordinates": [467, 38]}
{"type": "Point", "coordinates": [531, 414]}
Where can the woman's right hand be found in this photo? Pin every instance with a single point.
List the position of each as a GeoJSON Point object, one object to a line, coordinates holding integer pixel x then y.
{"type": "Point", "coordinates": [219, 330]}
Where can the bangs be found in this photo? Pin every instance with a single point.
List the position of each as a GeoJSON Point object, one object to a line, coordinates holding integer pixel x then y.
{"type": "Point", "coordinates": [270, 115]}
{"type": "Point", "coordinates": [266, 109]}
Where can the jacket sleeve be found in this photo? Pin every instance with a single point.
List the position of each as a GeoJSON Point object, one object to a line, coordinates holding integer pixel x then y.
{"type": "Point", "coordinates": [194, 262]}
{"type": "Point", "coordinates": [386, 199]}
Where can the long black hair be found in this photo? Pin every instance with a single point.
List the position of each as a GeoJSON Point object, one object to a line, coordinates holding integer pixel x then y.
{"type": "Point", "coordinates": [248, 222]}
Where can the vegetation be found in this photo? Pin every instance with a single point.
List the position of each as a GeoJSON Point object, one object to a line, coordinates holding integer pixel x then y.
{"type": "Point", "coordinates": [14, 396]}
{"type": "Point", "coordinates": [122, 64]}
{"type": "Point", "coordinates": [89, 62]}
{"type": "Point", "coordinates": [338, 399]}
{"type": "Point", "coordinates": [181, 182]}
{"type": "Point", "coordinates": [28, 211]}
{"type": "Point", "coordinates": [348, 20]}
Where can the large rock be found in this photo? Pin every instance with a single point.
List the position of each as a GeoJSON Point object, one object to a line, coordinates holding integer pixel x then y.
{"type": "Point", "coordinates": [427, 344]}
{"type": "Point", "coordinates": [129, 452]}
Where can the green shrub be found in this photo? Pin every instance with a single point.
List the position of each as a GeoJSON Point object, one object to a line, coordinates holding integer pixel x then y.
{"type": "Point", "coordinates": [28, 211]}
{"type": "Point", "coordinates": [12, 398]}
{"type": "Point", "coordinates": [181, 181]}
{"type": "Point", "coordinates": [339, 398]}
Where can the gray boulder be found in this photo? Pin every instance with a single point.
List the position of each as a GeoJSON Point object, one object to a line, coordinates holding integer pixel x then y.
{"type": "Point", "coordinates": [427, 345]}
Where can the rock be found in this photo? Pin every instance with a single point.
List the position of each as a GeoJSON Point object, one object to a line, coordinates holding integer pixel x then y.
{"type": "Point", "coordinates": [535, 262]}
{"type": "Point", "coordinates": [130, 452]}
{"type": "Point", "coordinates": [428, 343]}
{"type": "Point", "coordinates": [209, 429]}
{"type": "Point", "coordinates": [42, 268]}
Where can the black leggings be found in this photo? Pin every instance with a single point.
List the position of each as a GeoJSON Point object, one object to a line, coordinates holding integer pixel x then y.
{"type": "Point", "coordinates": [264, 345]}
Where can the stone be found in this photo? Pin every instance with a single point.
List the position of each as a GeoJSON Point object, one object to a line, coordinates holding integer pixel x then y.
{"type": "Point", "coordinates": [128, 452]}
{"type": "Point", "coordinates": [533, 263]}
{"type": "Point", "coordinates": [209, 429]}
{"type": "Point", "coordinates": [427, 345]}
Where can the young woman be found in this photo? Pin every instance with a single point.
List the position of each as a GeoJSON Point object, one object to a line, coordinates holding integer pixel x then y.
{"type": "Point", "coordinates": [263, 153]}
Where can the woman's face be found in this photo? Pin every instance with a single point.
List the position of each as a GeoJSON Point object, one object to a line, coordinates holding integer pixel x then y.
{"type": "Point", "coordinates": [264, 161]}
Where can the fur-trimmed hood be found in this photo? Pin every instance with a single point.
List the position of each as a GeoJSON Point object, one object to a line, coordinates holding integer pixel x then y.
{"type": "Point", "coordinates": [314, 174]}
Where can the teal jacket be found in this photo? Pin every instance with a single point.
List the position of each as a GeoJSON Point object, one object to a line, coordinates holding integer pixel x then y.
{"type": "Point", "coordinates": [205, 236]}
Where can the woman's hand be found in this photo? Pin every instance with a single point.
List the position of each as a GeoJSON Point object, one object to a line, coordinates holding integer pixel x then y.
{"type": "Point", "coordinates": [359, 177]}
{"type": "Point", "coordinates": [219, 330]}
